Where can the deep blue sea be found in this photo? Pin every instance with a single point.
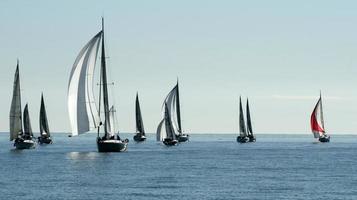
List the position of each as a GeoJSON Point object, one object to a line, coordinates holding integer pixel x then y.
{"type": "Point", "coordinates": [207, 167]}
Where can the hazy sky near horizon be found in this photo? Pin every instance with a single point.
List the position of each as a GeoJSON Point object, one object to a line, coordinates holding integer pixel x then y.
{"type": "Point", "coordinates": [278, 53]}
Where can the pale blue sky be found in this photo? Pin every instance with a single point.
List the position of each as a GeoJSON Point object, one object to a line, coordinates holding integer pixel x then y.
{"type": "Point", "coordinates": [279, 53]}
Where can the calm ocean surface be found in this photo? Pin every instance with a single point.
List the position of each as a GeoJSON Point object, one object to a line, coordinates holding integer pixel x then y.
{"type": "Point", "coordinates": [207, 167]}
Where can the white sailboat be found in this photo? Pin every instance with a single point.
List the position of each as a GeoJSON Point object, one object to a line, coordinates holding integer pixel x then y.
{"type": "Point", "coordinates": [83, 113]}
{"type": "Point", "coordinates": [23, 138]}
{"type": "Point", "coordinates": [45, 135]}
{"type": "Point", "coordinates": [171, 119]}
{"type": "Point", "coordinates": [317, 122]}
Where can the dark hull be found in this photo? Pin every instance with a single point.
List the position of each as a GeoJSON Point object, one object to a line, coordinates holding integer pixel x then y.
{"type": "Point", "coordinates": [111, 146]}
{"type": "Point", "coordinates": [242, 139]}
{"type": "Point", "coordinates": [251, 138]}
{"type": "Point", "coordinates": [324, 139]}
{"type": "Point", "coordinates": [44, 140]}
{"type": "Point", "coordinates": [139, 138]}
{"type": "Point", "coordinates": [182, 138]}
{"type": "Point", "coordinates": [170, 142]}
{"type": "Point", "coordinates": [24, 144]}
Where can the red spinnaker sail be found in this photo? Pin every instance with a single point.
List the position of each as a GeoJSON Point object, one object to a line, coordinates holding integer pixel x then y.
{"type": "Point", "coordinates": [315, 124]}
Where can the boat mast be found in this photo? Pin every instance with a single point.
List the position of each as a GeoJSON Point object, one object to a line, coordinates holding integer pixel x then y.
{"type": "Point", "coordinates": [105, 89]}
{"type": "Point", "coordinates": [178, 112]}
{"type": "Point", "coordinates": [322, 115]}
{"type": "Point", "coordinates": [100, 87]}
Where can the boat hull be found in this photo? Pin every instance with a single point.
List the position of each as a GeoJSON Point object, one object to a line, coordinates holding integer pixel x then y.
{"type": "Point", "coordinates": [252, 138]}
{"type": "Point", "coordinates": [25, 144]}
{"type": "Point", "coordinates": [139, 138]}
{"type": "Point", "coordinates": [44, 140]}
{"type": "Point", "coordinates": [170, 142]}
{"type": "Point", "coordinates": [242, 139]}
{"type": "Point", "coordinates": [182, 138]}
{"type": "Point", "coordinates": [324, 139]}
{"type": "Point", "coordinates": [112, 145]}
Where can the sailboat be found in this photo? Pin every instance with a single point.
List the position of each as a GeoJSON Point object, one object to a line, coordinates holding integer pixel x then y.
{"type": "Point", "coordinates": [45, 136]}
{"type": "Point", "coordinates": [317, 122]}
{"type": "Point", "coordinates": [23, 139]}
{"type": "Point", "coordinates": [243, 136]}
{"type": "Point", "coordinates": [251, 136]}
{"type": "Point", "coordinates": [83, 113]}
{"type": "Point", "coordinates": [167, 136]}
{"type": "Point", "coordinates": [172, 102]}
{"type": "Point", "coordinates": [140, 132]}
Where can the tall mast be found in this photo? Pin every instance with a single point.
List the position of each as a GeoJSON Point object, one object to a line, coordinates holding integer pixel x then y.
{"type": "Point", "coordinates": [178, 112]}
{"type": "Point", "coordinates": [104, 84]}
{"type": "Point", "coordinates": [322, 114]}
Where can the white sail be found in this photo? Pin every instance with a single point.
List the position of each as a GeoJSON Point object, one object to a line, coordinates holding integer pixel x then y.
{"type": "Point", "coordinates": [82, 110]}
{"type": "Point", "coordinates": [170, 100]}
{"type": "Point", "coordinates": [160, 133]}
{"type": "Point", "coordinates": [112, 117]}
{"type": "Point", "coordinates": [15, 110]}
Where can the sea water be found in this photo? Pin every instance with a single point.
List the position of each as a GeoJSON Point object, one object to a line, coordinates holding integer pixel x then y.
{"type": "Point", "coordinates": [209, 166]}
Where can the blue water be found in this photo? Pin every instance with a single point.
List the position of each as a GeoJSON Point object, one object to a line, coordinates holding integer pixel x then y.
{"type": "Point", "coordinates": [207, 167]}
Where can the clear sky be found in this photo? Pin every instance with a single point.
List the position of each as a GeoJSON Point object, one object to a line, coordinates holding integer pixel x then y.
{"type": "Point", "coordinates": [278, 53]}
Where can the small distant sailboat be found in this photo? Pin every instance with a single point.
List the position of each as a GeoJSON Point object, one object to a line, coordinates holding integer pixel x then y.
{"type": "Point", "coordinates": [23, 138]}
{"type": "Point", "coordinates": [317, 122]}
{"type": "Point", "coordinates": [83, 113]}
{"type": "Point", "coordinates": [140, 132]}
{"type": "Point", "coordinates": [243, 135]}
{"type": "Point", "coordinates": [251, 136]}
{"type": "Point", "coordinates": [45, 136]}
{"type": "Point", "coordinates": [167, 136]}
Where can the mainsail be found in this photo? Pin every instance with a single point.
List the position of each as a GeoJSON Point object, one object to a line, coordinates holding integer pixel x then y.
{"type": "Point", "coordinates": [168, 125]}
{"type": "Point", "coordinates": [249, 123]}
{"type": "Point", "coordinates": [27, 122]}
{"type": "Point", "coordinates": [15, 110]}
{"type": "Point", "coordinates": [83, 113]}
{"type": "Point", "coordinates": [138, 117]}
{"type": "Point", "coordinates": [317, 120]}
{"type": "Point", "coordinates": [44, 129]}
{"type": "Point", "coordinates": [242, 130]}
{"type": "Point", "coordinates": [173, 105]}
